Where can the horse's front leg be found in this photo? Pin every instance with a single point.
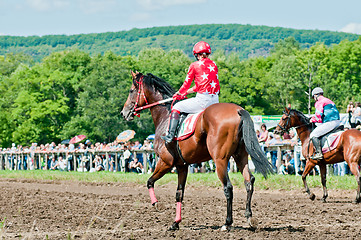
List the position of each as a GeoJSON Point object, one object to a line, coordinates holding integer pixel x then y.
{"type": "Point", "coordinates": [161, 169]}
{"type": "Point", "coordinates": [309, 166]}
{"type": "Point", "coordinates": [182, 177]}
{"type": "Point", "coordinates": [323, 181]}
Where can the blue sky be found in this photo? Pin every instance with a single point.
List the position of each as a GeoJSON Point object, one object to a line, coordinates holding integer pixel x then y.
{"type": "Point", "coordinates": [44, 17]}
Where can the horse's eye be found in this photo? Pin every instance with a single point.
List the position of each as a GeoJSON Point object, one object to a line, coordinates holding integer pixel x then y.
{"type": "Point", "coordinates": [131, 90]}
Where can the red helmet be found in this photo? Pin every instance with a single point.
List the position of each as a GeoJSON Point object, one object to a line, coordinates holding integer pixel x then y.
{"type": "Point", "coordinates": [201, 47]}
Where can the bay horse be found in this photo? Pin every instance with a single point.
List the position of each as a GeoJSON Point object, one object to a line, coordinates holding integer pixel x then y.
{"type": "Point", "coordinates": [223, 130]}
{"type": "Point", "coordinates": [348, 149]}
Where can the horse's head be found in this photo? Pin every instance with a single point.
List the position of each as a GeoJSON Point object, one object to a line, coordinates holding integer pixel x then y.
{"type": "Point", "coordinates": [291, 118]}
{"type": "Point", "coordinates": [287, 121]}
{"type": "Point", "coordinates": [146, 91]}
{"type": "Point", "coordinates": [136, 97]}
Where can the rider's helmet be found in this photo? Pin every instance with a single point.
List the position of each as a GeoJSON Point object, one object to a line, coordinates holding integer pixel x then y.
{"type": "Point", "coordinates": [201, 47]}
{"type": "Point", "coordinates": [316, 91]}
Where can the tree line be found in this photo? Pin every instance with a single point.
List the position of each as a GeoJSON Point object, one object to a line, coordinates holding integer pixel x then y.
{"type": "Point", "coordinates": [72, 92]}
{"type": "Point", "coordinates": [245, 40]}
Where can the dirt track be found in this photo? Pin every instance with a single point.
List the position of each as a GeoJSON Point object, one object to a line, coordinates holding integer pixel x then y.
{"type": "Point", "coordinates": [67, 210]}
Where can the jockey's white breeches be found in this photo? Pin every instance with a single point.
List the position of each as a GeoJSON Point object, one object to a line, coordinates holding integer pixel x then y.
{"type": "Point", "coordinates": [196, 104]}
{"type": "Point", "coordinates": [324, 128]}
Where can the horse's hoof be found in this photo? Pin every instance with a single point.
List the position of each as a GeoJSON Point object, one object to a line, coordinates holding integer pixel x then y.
{"type": "Point", "coordinates": [323, 200]}
{"type": "Point", "coordinates": [312, 196]}
{"type": "Point", "coordinates": [252, 222]}
{"type": "Point", "coordinates": [225, 228]}
{"type": "Point", "coordinates": [174, 227]}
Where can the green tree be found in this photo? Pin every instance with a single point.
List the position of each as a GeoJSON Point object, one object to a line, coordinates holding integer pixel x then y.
{"type": "Point", "coordinates": [11, 61]}
{"type": "Point", "coordinates": [101, 97]}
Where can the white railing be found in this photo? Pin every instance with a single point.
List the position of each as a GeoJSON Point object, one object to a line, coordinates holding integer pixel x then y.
{"type": "Point", "coordinates": [112, 159]}
{"type": "Point", "coordinates": [21, 160]}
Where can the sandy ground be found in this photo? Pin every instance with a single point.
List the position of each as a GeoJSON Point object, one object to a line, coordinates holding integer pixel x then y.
{"type": "Point", "coordinates": [70, 210]}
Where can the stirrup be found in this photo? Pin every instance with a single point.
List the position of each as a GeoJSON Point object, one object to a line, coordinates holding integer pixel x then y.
{"type": "Point", "coordinates": [167, 138]}
{"type": "Point", "coordinates": [317, 156]}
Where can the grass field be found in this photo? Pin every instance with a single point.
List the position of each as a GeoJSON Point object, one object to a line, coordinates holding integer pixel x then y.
{"type": "Point", "coordinates": [285, 182]}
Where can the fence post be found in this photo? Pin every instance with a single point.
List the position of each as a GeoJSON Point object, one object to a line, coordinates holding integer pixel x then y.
{"type": "Point", "coordinates": [6, 161]}
{"type": "Point", "coordinates": [107, 158]}
{"type": "Point", "coordinates": [22, 161]}
{"type": "Point", "coordinates": [116, 162]}
{"type": "Point", "coordinates": [145, 162]}
{"type": "Point", "coordinates": [27, 161]}
{"type": "Point", "coordinates": [90, 160]}
{"type": "Point", "coordinates": [279, 157]}
{"type": "Point", "coordinates": [12, 162]}
{"type": "Point", "coordinates": [74, 162]}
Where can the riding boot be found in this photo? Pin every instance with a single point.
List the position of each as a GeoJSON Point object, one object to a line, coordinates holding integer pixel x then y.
{"type": "Point", "coordinates": [173, 122]}
{"type": "Point", "coordinates": [318, 151]}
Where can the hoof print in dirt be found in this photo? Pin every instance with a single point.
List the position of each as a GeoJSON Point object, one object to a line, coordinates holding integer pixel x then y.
{"type": "Point", "coordinates": [253, 223]}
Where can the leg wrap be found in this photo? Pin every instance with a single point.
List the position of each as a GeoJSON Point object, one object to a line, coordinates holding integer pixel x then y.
{"type": "Point", "coordinates": [152, 196]}
{"type": "Point", "coordinates": [178, 215]}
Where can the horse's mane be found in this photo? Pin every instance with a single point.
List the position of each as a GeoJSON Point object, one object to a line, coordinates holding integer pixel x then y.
{"type": "Point", "coordinates": [159, 84]}
{"type": "Point", "coordinates": [301, 116]}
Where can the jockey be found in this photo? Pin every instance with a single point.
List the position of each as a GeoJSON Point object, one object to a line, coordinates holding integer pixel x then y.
{"type": "Point", "coordinates": [204, 72]}
{"type": "Point", "coordinates": [326, 114]}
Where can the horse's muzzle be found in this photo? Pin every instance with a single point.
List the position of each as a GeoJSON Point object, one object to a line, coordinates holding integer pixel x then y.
{"type": "Point", "coordinates": [127, 114]}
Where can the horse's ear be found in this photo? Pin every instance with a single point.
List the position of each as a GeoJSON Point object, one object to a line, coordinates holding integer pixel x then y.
{"type": "Point", "coordinates": [134, 75]}
{"type": "Point", "coordinates": [287, 109]}
{"type": "Point", "coordinates": [289, 106]}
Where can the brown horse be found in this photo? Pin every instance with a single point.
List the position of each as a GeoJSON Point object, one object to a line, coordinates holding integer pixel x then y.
{"type": "Point", "coordinates": [223, 130]}
{"type": "Point", "coordinates": [348, 149]}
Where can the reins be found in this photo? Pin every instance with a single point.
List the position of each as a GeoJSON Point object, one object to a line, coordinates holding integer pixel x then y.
{"type": "Point", "coordinates": [141, 94]}
{"type": "Point", "coordinates": [153, 104]}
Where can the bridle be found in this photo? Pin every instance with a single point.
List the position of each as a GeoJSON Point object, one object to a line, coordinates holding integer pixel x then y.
{"type": "Point", "coordinates": [285, 128]}
{"type": "Point", "coordinates": [141, 94]}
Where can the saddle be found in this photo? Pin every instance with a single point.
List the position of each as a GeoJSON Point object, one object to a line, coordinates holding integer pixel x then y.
{"type": "Point", "coordinates": [325, 137]}
{"type": "Point", "coordinates": [186, 125]}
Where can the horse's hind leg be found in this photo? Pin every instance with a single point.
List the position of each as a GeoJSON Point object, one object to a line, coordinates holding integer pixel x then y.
{"type": "Point", "coordinates": [160, 169]}
{"type": "Point", "coordinates": [323, 181]}
{"type": "Point", "coordinates": [221, 168]}
{"type": "Point", "coordinates": [242, 163]}
{"type": "Point", "coordinates": [182, 177]}
{"type": "Point", "coordinates": [354, 168]}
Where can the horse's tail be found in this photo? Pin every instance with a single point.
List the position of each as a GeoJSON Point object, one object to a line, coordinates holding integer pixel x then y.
{"type": "Point", "coordinates": [253, 148]}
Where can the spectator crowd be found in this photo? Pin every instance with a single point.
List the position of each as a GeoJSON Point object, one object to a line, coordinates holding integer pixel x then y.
{"type": "Point", "coordinates": [114, 156]}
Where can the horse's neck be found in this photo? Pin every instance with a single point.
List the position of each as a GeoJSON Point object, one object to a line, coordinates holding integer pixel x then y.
{"type": "Point", "coordinates": [304, 134]}
{"type": "Point", "coordinates": [159, 113]}
{"type": "Point", "coordinates": [160, 116]}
